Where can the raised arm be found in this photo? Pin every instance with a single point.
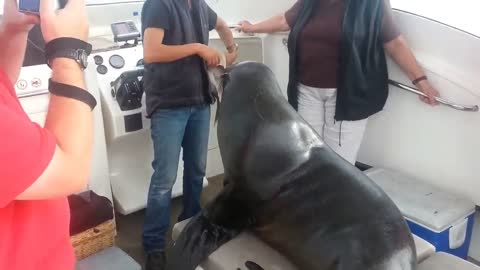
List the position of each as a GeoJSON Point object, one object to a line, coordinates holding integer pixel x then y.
{"type": "Point", "coordinates": [69, 120]}
{"type": "Point", "coordinates": [274, 24]}
{"type": "Point", "coordinates": [279, 23]}
{"type": "Point", "coordinates": [226, 35]}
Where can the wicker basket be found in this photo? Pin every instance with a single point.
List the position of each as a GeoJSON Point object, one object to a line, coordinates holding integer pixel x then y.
{"type": "Point", "coordinates": [94, 240]}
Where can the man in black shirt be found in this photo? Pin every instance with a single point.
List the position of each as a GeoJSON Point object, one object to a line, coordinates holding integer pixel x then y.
{"type": "Point", "coordinates": [178, 98]}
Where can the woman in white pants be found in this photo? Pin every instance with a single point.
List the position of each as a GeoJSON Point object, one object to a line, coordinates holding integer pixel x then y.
{"type": "Point", "coordinates": [338, 73]}
{"type": "Point", "coordinates": [317, 107]}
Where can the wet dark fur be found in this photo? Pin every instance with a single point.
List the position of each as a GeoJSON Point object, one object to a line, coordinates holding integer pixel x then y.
{"type": "Point", "coordinates": [289, 189]}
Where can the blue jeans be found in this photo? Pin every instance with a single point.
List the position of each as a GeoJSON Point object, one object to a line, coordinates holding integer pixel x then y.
{"type": "Point", "coordinates": [173, 129]}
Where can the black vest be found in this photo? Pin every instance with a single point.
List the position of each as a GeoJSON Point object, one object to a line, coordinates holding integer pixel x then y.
{"type": "Point", "coordinates": [183, 82]}
{"type": "Point", "coordinates": [362, 87]}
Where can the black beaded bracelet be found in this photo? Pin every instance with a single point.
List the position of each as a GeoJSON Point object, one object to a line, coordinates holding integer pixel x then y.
{"type": "Point", "coordinates": [419, 79]}
{"type": "Point", "coordinates": [70, 91]}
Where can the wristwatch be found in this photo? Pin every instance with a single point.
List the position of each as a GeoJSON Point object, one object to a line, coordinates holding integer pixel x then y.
{"type": "Point", "coordinates": [75, 49]}
{"type": "Point", "coordinates": [234, 46]}
{"type": "Point", "coordinates": [79, 55]}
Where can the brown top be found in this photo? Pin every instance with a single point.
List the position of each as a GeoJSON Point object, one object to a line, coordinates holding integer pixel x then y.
{"type": "Point", "coordinates": [319, 41]}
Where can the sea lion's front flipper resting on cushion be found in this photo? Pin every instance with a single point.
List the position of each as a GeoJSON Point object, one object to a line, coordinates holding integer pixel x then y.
{"type": "Point", "coordinates": [222, 220]}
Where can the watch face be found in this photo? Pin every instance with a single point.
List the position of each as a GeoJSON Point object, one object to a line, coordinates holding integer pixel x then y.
{"type": "Point", "coordinates": [83, 58]}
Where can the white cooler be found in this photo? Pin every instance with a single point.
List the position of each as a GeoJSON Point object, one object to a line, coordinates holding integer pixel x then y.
{"type": "Point", "coordinates": [246, 247]}
{"type": "Point", "coordinates": [444, 220]}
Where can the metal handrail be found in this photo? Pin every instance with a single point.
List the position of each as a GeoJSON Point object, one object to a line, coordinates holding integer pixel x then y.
{"type": "Point", "coordinates": [471, 108]}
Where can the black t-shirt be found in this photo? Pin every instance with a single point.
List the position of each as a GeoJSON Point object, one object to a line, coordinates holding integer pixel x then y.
{"type": "Point", "coordinates": [156, 15]}
{"type": "Point", "coordinates": [183, 82]}
{"type": "Point", "coordinates": [320, 40]}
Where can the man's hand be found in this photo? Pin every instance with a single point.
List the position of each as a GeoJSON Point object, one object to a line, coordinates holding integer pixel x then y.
{"type": "Point", "coordinates": [210, 55]}
{"type": "Point", "coordinates": [14, 21]}
{"type": "Point", "coordinates": [70, 21]}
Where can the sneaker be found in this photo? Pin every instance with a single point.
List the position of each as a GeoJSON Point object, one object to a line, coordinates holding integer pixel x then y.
{"type": "Point", "coordinates": [156, 261]}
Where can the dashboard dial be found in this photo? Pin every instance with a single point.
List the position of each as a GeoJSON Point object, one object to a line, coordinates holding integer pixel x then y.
{"type": "Point", "coordinates": [98, 60]}
{"type": "Point", "coordinates": [102, 69]}
{"type": "Point", "coordinates": [116, 61]}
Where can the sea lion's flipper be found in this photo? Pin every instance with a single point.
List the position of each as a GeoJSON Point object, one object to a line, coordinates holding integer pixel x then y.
{"type": "Point", "coordinates": [221, 220]}
{"type": "Point", "coordinates": [198, 240]}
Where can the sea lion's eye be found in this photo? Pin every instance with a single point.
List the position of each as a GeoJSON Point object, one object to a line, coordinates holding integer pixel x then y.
{"type": "Point", "coordinates": [253, 266]}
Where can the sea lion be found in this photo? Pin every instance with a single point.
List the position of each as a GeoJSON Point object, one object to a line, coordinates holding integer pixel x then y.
{"type": "Point", "coordinates": [291, 190]}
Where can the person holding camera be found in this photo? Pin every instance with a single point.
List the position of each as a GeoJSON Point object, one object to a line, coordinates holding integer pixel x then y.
{"type": "Point", "coordinates": [41, 166]}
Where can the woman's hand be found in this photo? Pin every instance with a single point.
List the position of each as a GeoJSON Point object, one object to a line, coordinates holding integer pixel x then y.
{"type": "Point", "coordinates": [272, 25]}
{"type": "Point", "coordinates": [403, 56]}
{"type": "Point", "coordinates": [428, 90]}
{"type": "Point", "coordinates": [244, 26]}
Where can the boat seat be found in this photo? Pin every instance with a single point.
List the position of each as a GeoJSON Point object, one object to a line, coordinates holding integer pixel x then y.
{"type": "Point", "coordinates": [230, 257]}
{"type": "Point", "coordinates": [424, 248]}
{"type": "Point", "coordinates": [109, 259]}
{"type": "Point", "coordinates": [246, 247]}
{"type": "Point", "coordinates": [445, 261]}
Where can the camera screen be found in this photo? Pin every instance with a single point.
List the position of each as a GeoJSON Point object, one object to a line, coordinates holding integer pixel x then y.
{"type": "Point", "coordinates": [30, 5]}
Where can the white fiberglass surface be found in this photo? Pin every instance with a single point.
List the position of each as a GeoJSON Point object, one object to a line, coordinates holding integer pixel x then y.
{"type": "Point", "coordinates": [437, 145]}
{"type": "Point", "coordinates": [461, 14]}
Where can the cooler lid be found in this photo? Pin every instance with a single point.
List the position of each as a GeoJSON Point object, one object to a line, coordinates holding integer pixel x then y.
{"type": "Point", "coordinates": [421, 202]}
{"type": "Point", "coordinates": [444, 261]}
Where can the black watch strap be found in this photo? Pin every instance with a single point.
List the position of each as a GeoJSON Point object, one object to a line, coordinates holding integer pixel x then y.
{"type": "Point", "coordinates": [66, 47]}
{"type": "Point", "coordinates": [79, 56]}
{"type": "Point", "coordinates": [70, 91]}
